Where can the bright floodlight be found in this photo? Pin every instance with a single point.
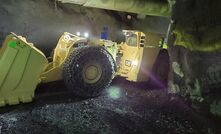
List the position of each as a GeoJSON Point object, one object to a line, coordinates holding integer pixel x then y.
{"type": "Point", "coordinates": [135, 62]}
{"type": "Point", "coordinates": [78, 33]}
{"type": "Point", "coordinates": [86, 35]}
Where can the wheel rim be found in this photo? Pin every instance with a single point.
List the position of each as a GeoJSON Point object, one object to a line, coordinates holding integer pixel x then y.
{"type": "Point", "coordinates": [92, 73]}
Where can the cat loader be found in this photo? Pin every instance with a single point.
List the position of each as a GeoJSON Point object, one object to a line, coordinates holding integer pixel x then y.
{"type": "Point", "coordinates": [86, 67]}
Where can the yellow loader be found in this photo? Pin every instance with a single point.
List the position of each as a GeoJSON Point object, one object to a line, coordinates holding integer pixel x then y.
{"type": "Point", "coordinates": [85, 69]}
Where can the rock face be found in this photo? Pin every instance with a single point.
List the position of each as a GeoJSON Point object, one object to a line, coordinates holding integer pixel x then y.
{"type": "Point", "coordinates": [195, 53]}
{"type": "Point", "coordinates": [196, 75]}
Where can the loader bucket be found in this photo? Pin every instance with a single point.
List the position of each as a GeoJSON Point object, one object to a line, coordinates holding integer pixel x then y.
{"type": "Point", "coordinates": [20, 67]}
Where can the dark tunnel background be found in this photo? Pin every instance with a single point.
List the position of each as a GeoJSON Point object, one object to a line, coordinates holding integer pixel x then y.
{"type": "Point", "coordinates": [43, 21]}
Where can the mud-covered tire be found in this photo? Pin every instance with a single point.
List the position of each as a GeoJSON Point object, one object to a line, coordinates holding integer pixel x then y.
{"type": "Point", "coordinates": [73, 70]}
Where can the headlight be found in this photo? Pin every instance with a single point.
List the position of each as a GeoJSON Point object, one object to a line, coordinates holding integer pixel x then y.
{"type": "Point", "coordinates": [128, 63]}
{"type": "Point", "coordinates": [78, 33]}
{"type": "Point", "coordinates": [86, 35]}
{"type": "Point", "coordinates": [66, 38]}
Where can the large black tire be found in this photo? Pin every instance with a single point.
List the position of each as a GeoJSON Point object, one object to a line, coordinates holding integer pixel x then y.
{"type": "Point", "coordinates": [73, 74]}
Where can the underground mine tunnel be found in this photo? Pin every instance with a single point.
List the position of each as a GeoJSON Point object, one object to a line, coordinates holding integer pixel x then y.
{"type": "Point", "coordinates": [110, 67]}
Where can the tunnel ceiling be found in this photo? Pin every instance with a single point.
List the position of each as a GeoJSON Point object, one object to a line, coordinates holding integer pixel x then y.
{"type": "Point", "coordinates": [146, 7]}
{"type": "Point", "coordinates": [197, 22]}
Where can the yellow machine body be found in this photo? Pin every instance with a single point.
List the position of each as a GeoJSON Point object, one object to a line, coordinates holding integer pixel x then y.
{"type": "Point", "coordinates": [138, 55]}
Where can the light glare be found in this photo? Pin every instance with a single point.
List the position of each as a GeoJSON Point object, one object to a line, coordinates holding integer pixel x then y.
{"type": "Point", "coordinates": [86, 35]}
{"type": "Point", "coordinates": [114, 92]}
{"type": "Point", "coordinates": [135, 62]}
{"type": "Point", "coordinates": [78, 33]}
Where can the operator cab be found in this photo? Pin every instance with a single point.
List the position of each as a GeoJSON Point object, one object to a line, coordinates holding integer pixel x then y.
{"type": "Point", "coordinates": [131, 39]}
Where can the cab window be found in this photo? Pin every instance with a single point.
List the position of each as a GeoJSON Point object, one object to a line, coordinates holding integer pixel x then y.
{"type": "Point", "coordinates": [131, 40]}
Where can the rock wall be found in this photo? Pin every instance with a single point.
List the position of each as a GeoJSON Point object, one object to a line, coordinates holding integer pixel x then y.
{"type": "Point", "coordinates": [196, 76]}
{"type": "Point", "coordinates": [195, 53]}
